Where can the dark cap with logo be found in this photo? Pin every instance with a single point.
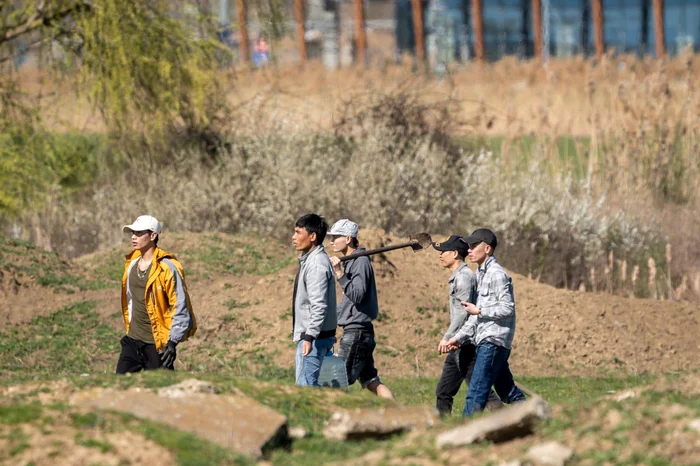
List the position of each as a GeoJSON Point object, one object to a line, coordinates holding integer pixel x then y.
{"type": "Point", "coordinates": [482, 235]}
{"type": "Point", "coordinates": [452, 243]}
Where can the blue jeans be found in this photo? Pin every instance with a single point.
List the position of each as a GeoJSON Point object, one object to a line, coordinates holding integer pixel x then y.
{"type": "Point", "coordinates": [490, 369]}
{"type": "Point", "coordinates": [309, 366]}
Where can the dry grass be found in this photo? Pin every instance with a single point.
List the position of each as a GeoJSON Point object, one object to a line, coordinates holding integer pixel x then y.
{"type": "Point", "coordinates": [629, 172]}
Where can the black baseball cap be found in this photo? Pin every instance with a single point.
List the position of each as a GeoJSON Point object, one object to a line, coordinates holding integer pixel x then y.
{"type": "Point", "coordinates": [452, 243]}
{"type": "Point", "coordinates": [481, 235]}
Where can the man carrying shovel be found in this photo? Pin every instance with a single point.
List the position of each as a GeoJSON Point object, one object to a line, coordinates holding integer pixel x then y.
{"type": "Point", "coordinates": [357, 308]}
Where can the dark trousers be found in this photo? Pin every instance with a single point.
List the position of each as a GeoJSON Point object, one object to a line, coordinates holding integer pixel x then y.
{"type": "Point", "coordinates": [458, 367]}
{"type": "Point", "coordinates": [137, 355]}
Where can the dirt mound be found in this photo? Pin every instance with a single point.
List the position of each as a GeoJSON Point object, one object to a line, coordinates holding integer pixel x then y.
{"type": "Point", "coordinates": [241, 287]}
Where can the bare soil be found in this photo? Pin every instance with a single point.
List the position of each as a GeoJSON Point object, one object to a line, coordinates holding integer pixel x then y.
{"type": "Point", "coordinates": [559, 331]}
{"type": "Point", "coordinates": [56, 441]}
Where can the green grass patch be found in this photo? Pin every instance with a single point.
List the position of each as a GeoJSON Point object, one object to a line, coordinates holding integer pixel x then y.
{"type": "Point", "coordinates": [103, 447]}
{"type": "Point", "coordinates": [20, 413]}
{"type": "Point", "coordinates": [578, 390]}
{"type": "Point", "coordinates": [567, 154]}
{"type": "Point", "coordinates": [189, 450]}
{"type": "Point", "coordinates": [221, 253]}
{"type": "Point", "coordinates": [317, 450]}
{"type": "Point", "coordinates": [68, 342]}
{"type": "Point", "coordinates": [233, 303]}
{"type": "Point", "coordinates": [32, 264]}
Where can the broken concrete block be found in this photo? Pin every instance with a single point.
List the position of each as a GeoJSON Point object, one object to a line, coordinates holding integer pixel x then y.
{"type": "Point", "coordinates": [626, 395]}
{"type": "Point", "coordinates": [695, 425]}
{"type": "Point", "coordinates": [516, 420]}
{"type": "Point", "coordinates": [298, 432]}
{"type": "Point", "coordinates": [378, 423]}
{"type": "Point", "coordinates": [235, 422]}
{"type": "Point", "coordinates": [550, 454]}
{"type": "Point", "coordinates": [512, 463]}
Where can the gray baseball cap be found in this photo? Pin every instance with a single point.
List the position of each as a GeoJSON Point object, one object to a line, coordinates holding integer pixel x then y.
{"type": "Point", "coordinates": [344, 227]}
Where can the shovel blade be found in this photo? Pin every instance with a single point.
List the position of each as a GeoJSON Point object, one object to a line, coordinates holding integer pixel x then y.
{"type": "Point", "coordinates": [420, 241]}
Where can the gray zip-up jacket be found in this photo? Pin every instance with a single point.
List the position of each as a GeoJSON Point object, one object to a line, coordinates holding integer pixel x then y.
{"type": "Point", "coordinates": [462, 288]}
{"type": "Point", "coordinates": [496, 303]}
{"type": "Point", "coordinates": [314, 305]}
{"type": "Point", "coordinates": [359, 305]}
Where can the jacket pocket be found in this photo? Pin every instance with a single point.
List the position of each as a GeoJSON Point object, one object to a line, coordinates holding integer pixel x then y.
{"type": "Point", "coordinates": [486, 297]}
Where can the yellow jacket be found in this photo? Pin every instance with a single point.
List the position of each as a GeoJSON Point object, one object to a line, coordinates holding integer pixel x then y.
{"type": "Point", "coordinates": [167, 301]}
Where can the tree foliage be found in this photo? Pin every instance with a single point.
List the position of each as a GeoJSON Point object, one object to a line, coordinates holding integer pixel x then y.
{"type": "Point", "coordinates": [149, 66]}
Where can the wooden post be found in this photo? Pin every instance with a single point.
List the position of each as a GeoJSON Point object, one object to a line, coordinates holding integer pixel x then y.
{"type": "Point", "coordinates": [417, 14]}
{"type": "Point", "coordinates": [659, 28]}
{"type": "Point", "coordinates": [585, 21]}
{"type": "Point", "coordinates": [645, 27]}
{"type": "Point", "coordinates": [360, 39]}
{"type": "Point", "coordinates": [598, 27]}
{"type": "Point", "coordinates": [525, 27]}
{"type": "Point", "coordinates": [242, 17]}
{"type": "Point", "coordinates": [301, 29]}
{"type": "Point", "coordinates": [537, 26]}
{"type": "Point", "coordinates": [478, 19]}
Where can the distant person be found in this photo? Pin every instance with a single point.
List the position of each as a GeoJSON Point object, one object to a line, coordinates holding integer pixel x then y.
{"type": "Point", "coordinates": [314, 307]}
{"type": "Point", "coordinates": [460, 359]}
{"type": "Point", "coordinates": [157, 309]}
{"type": "Point", "coordinates": [495, 325]}
{"type": "Point", "coordinates": [358, 308]}
{"type": "Point", "coordinates": [261, 52]}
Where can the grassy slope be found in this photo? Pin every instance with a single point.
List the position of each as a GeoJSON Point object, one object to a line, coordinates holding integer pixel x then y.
{"type": "Point", "coordinates": [73, 342]}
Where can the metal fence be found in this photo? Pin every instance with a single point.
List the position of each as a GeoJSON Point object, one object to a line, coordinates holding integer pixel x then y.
{"type": "Point", "coordinates": [567, 27]}
{"type": "Point", "coordinates": [449, 35]}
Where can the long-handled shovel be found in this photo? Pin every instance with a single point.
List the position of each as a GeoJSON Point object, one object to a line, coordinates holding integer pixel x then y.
{"type": "Point", "coordinates": [417, 242]}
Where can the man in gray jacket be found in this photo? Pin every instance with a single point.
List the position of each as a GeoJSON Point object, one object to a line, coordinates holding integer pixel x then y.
{"type": "Point", "coordinates": [313, 306]}
{"type": "Point", "coordinates": [357, 309]}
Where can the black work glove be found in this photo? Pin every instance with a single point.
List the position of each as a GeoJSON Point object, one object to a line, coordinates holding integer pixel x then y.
{"type": "Point", "coordinates": [167, 358]}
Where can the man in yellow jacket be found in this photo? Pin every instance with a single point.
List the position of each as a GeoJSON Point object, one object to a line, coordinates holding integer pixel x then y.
{"type": "Point", "coordinates": [157, 310]}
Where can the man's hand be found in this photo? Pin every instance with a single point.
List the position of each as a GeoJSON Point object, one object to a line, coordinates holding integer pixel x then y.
{"type": "Point", "coordinates": [306, 348]}
{"type": "Point", "coordinates": [167, 358]}
{"type": "Point", "coordinates": [442, 347]}
{"type": "Point", "coordinates": [470, 308]}
{"type": "Point", "coordinates": [337, 270]}
{"type": "Point", "coordinates": [452, 344]}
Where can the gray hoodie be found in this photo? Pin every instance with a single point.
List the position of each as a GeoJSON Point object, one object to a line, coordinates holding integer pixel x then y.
{"type": "Point", "coordinates": [314, 302]}
{"type": "Point", "coordinates": [359, 304]}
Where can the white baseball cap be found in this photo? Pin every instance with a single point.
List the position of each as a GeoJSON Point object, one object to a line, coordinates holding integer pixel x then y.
{"type": "Point", "coordinates": [144, 223]}
{"type": "Point", "coordinates": [344, 227]}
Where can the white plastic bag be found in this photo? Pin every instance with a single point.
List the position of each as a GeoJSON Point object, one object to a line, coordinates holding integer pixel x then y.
{"type": "Point", "coordinates": [333, 373]}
